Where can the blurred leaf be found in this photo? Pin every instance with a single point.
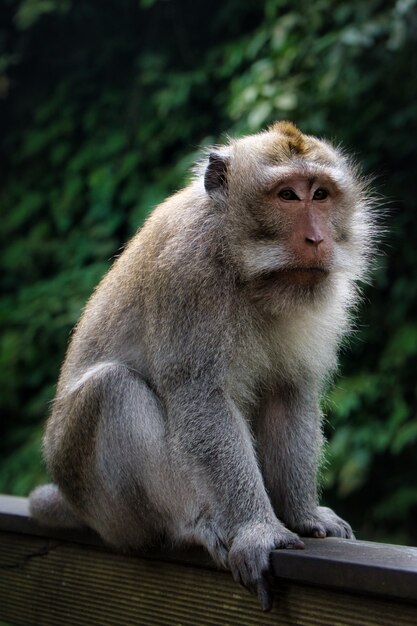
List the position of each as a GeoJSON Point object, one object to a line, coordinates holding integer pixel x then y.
{"type": "Point", "coordinates": [30, 11]}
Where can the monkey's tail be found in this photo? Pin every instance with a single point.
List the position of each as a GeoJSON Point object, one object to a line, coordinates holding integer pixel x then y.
{"type": "Point", "coordinates": [48, 506]}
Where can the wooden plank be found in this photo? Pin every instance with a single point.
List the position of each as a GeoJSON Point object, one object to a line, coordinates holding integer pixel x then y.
{"type": "Point", "coordinates": [46, 582]}
{"type": "Point", "coordinates": [65, 577]}
{"type": "Point", "coordinates": [358, 566]}
{"type": "Point", "coordinates": [14, 516]}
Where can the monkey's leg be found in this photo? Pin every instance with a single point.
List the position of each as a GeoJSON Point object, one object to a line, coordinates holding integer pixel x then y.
{"type": "Point", "coordinates": [134, 470]}
{"type": "Point", "coordinates": [186, 469]}
{"type": "Point", "coordinates": [106, 450]}
{"type": "Point", "coordinates": [290, 445]}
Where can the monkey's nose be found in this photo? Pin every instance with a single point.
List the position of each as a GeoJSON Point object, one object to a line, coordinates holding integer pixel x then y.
{"type": "Point", "coordinates": [314, 240]}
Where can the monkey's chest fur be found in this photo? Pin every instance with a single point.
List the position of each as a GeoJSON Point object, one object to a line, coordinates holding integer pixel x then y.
{"type": "Point", "coordinates": [291, 350]}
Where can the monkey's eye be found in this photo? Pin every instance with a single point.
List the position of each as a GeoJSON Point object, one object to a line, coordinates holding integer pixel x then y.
{"type": "Point", "coordinates": [320, 194]}
{"type": "Point", "coordinates": [288, 194]}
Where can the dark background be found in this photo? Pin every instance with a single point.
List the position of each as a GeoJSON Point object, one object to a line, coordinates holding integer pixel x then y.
{"type": "Point", "coordinates": [104, 106]}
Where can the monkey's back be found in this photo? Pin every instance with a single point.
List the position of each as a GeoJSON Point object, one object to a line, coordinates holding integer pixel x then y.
{"type": "Point", "coordinates": [144, 300]}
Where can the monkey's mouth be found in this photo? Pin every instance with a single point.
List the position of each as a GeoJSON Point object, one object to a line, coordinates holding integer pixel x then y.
{"type": "Point", "coordinates": [323, 270]}
{"type": "Point", "coordinates": [301, 276]}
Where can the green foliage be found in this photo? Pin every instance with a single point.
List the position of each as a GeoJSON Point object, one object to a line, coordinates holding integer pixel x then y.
{"type": "Point", "coordinates": [29, 11]}
{"type": "Point", "coordinates": [104, 105]}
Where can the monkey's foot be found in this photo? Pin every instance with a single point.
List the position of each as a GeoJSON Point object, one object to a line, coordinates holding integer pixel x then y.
{"type": "Point", "coordinates": [249, 557]}
{"type": "Point", "coordinates": [324, 523]}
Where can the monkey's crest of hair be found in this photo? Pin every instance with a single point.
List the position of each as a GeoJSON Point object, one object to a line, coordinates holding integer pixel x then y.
{"type": "Point", "coordinates": [296, 141]}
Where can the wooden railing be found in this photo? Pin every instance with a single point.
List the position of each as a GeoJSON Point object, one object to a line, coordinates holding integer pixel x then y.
{"type": "Point", "coordinates": [62, 578]}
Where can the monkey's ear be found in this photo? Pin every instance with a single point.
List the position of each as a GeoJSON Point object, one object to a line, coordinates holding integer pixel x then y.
{"type": "Point", "coordinates": [215, 177]}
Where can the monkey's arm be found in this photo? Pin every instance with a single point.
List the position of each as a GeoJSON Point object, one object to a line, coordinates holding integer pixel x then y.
{"type": "Point", "coordinates": [207, 430]}
{"type": "Point", "coordinates": [291, 441]}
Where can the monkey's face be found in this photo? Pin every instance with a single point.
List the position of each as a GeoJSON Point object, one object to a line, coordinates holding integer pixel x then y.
{"type": "Point", "coordinates": [297, 232]}
{"type": "Point", "coordinates": [290, 253]}
{"type": "Point", "coordinates": [298, 215]}
{"type": "Point", "coordinates": [295, 211]}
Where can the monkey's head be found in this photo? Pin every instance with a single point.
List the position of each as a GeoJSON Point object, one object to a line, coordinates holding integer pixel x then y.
{"type": "Point", "coordinates": [296, 213]}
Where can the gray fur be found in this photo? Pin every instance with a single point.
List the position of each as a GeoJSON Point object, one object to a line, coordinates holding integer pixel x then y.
{"type": "Point", "coordinates": [187, 406]}
{"type": "Point", "coordinates": [48, 505]}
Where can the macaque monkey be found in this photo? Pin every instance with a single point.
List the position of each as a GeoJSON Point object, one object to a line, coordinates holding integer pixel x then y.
{"type": "Point", "coordinates": [188, 403]}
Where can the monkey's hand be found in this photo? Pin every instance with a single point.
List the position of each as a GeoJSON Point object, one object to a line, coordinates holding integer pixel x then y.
{"type": "Point", "coordinates": [249, 557]}
{"type": "Point", "coordinates": [324, 523]}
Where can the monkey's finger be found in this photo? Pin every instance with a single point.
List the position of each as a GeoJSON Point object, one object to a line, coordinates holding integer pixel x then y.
{"type": "Point", "coordinates": [319, 532]}
{"type": "Point", "coordinates": [296, 544]}
{"type": "Point", "coordinates": [348, 532]}
{"type": "Point", "coordinates": [265, 593]}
